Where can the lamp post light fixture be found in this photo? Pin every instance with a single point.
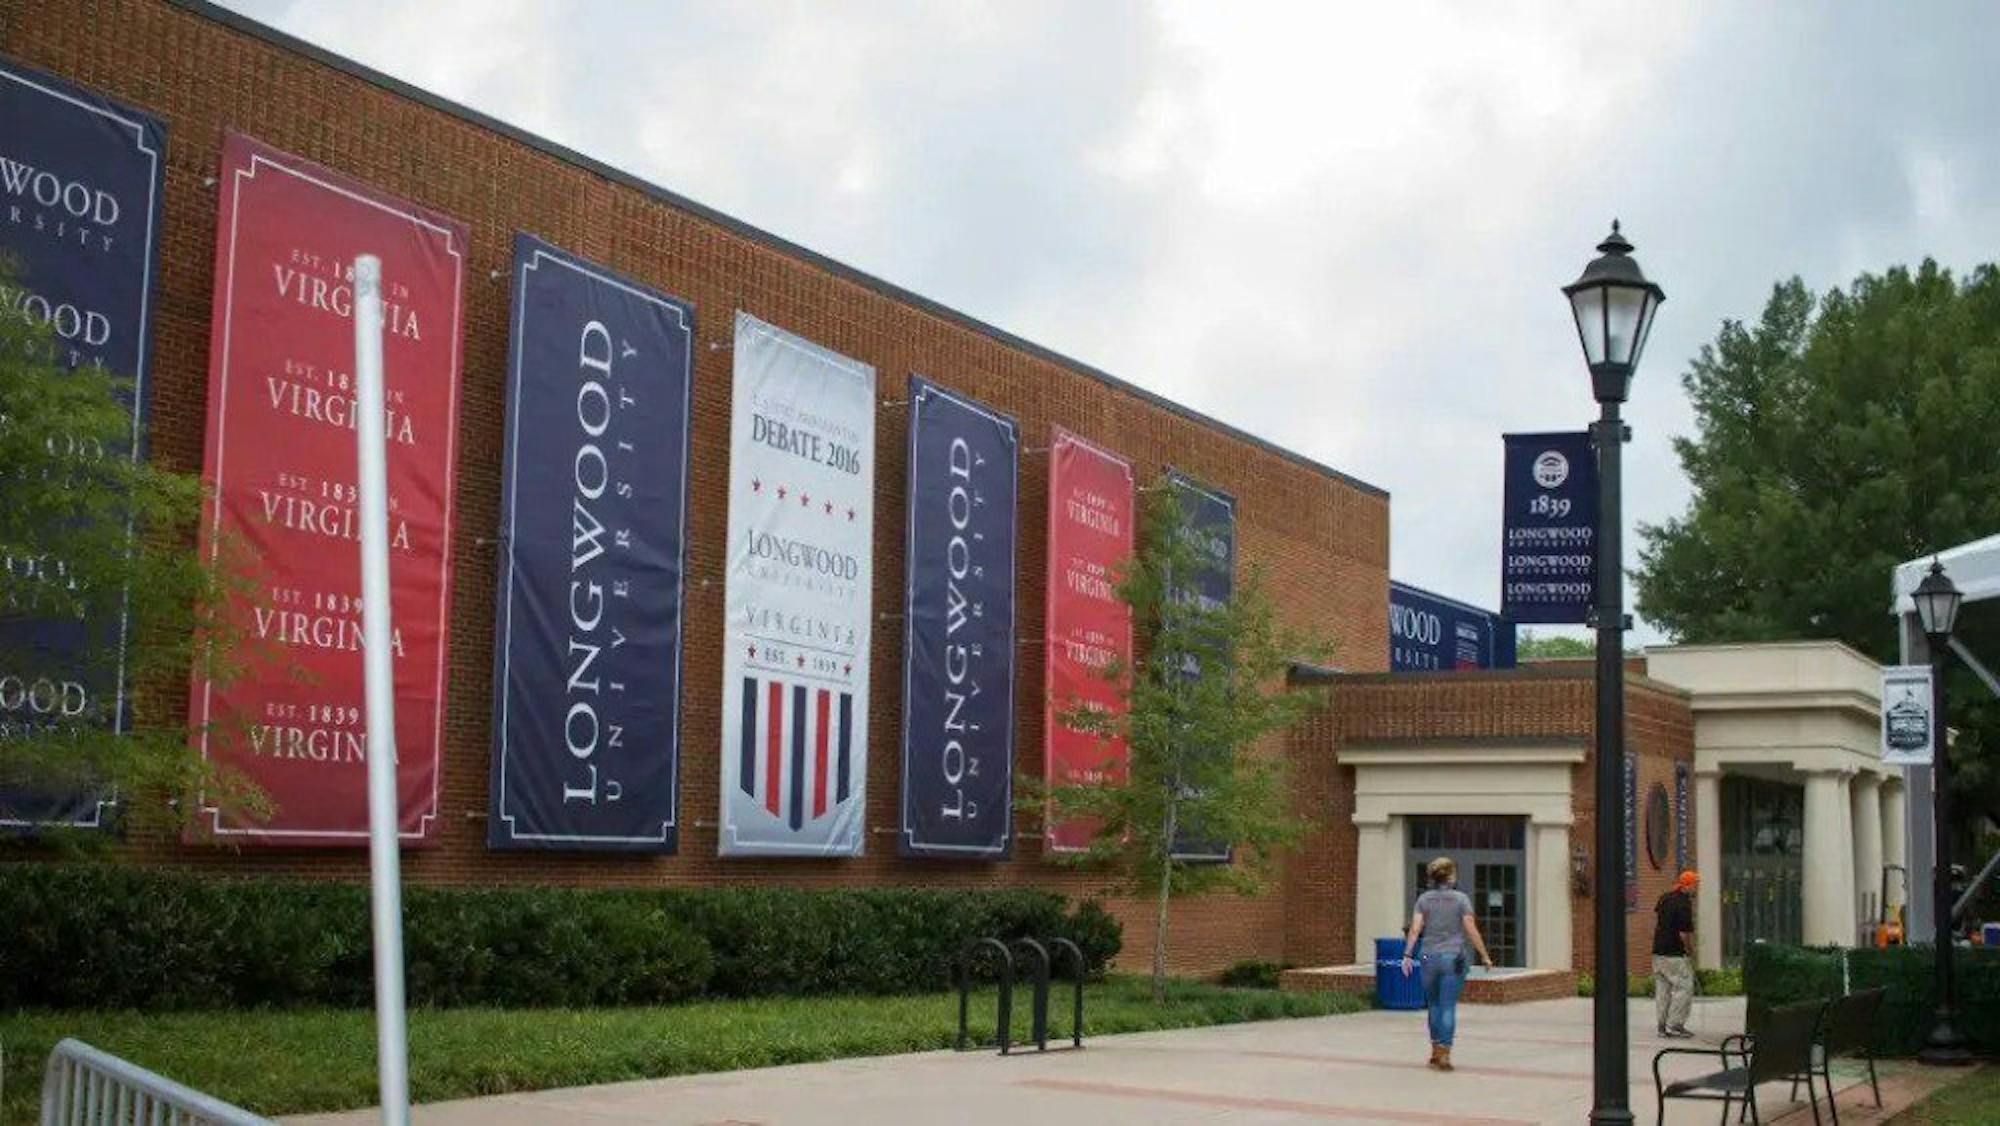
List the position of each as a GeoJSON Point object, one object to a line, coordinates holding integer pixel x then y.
{"type": "Point", "coordinates": [1938, 600]}
{"type": "Point", "coordinates": [1613, 304]}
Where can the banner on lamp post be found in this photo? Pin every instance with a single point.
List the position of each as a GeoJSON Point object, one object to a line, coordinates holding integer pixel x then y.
{"type": "Point", "coordinates": [798, 614]}
{"type": "Point", "coordinates": [80, 189]}
{"type": "Point", "coordinates": [958, 650]}
{"type": "Point", "coordinates": [281, 466]}
{"type": "Point", "coordinates": [1088, 629]}
{"type": "Point", "coordinates": [1908, 728]}
{"type": "Point", "coordinates": [1548, 564]}
{"type": "Point", "coordinates": [593, 516]}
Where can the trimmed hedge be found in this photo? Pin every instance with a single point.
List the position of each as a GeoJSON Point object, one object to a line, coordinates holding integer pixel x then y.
{"type": "Point", "coordinates": [1777, 975]}
{"type": "Point", "coordinates": [97, 936]}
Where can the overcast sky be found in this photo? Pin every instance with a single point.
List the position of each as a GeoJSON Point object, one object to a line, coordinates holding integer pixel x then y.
{"type": "Point", "coordinates": [1339, 226]}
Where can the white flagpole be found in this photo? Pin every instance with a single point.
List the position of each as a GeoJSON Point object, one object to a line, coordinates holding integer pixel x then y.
{"type": "Point", "coordinates": [384, 859]}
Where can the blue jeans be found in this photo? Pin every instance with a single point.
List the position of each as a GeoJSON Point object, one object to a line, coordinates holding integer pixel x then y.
{"type": "Point", "coordinates": [1444, 977]}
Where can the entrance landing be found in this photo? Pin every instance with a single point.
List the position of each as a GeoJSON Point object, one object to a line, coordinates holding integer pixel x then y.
{"type": "Point", "coordinates": [1482, 986]}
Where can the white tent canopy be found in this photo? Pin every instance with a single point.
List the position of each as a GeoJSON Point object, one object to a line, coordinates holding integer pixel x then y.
{"type": "Point", "coordinates": [1974, 567]}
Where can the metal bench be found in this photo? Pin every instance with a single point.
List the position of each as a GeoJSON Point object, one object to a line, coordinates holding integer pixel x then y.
{"type": "Point", "coordinates": [1781, 1047]}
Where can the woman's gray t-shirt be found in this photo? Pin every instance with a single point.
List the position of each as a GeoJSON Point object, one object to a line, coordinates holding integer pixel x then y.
{"type": "Point", "coordinates": [1444, 911]}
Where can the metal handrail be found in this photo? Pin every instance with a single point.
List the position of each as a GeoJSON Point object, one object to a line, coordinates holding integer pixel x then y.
{"type": "Point", "coordinates": [85, 1086]}
{"type": "Point", "coordinates": [1004, 1025]}
{"type": "Point", "coordinates": [1039, 1024]}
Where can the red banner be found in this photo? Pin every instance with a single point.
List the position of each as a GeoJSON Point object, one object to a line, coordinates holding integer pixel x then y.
{"type": "Point", "coordinates": [282, 465]}
{"type": "Point", "coordinates": [1090, 535]}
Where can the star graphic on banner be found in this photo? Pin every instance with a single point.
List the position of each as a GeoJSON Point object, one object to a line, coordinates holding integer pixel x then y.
{"type": "Point", "coordinates": [805, 501]}
{"type": "Point", "coordinates": [829, 508]}
{"type": "Point", "coordinates": [847, 670]}
{"type": "Point", "coordinates": [850, 515]}
{"type": "Point", "coordinates": [802, 660]}
{"type": "Point", "coordinates": [756, 486]}
{"type": "Point", "coordinates": [753, 652]}
{"type": "Point", "coordinates": [781, 492]}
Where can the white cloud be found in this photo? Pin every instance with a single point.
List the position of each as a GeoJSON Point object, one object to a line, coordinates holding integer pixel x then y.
{"type": "Point", "coordinates": [1339, 226]}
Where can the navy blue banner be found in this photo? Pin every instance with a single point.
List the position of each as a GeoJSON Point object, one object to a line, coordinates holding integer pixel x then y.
{"type": "Point", "coordinates": [80, 187]}
{"type": "Point", "coordinates": [958, 645]}
{"type": "Point", "coordinates": [587, 668]}
{"type": "Point", "coordinates": [1211, 524]}
{"type": "Point", "coordinates": [1548, 552]}
{"type": "Point", "coordinates": [1429, 632]}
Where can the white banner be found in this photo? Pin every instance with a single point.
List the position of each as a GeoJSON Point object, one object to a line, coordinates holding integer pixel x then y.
{"type": "Point", "coordinates": [1906, 715]}
{"type": "Point", "coordinates": [801, 573]}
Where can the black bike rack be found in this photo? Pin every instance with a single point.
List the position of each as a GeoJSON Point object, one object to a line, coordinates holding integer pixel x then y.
{"type": "Point", "coordinates": [1043, 969]}
{"type": "Point", "coordinates": [1003, 1028]}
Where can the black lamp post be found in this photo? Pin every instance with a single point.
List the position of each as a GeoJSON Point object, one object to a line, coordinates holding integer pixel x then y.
{"type": "Point", "coordinates": [1614, 306]}
{"type": "Point", "coordinates": [1938, 599]}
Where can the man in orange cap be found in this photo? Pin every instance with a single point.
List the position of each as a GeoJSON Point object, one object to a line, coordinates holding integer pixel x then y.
{"type": "Point", "coordinates": [1673, 957]}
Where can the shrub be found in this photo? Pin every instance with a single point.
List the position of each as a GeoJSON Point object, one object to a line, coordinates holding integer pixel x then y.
{"type": "Point", "coordinates": [1777, 975]}
{"type": "Point", "coordinates": [1253, 973]}
{"type": "Point", "coordinates": [106, 936]}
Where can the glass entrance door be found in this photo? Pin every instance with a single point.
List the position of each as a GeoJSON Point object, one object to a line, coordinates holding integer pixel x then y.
{"type": "Point", "coordinates": [1763, 829]}
{"type": "Point", "coordinates": [1491, 855]}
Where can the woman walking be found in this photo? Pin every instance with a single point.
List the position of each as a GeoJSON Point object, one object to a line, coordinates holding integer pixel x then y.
{"type": "Point", "coordinates": [1443, 918]}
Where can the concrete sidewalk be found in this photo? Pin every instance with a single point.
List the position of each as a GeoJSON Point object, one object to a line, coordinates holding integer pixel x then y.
{"type": "Point", "coordinates": [1517, 1065]}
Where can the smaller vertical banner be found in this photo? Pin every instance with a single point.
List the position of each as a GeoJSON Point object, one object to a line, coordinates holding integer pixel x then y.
{"type": "Point", "coordinates": [1680, 817]}
{"type": "Point", "coordinates": [80, 187]}
{"type": "Point", "coordinates": [1429, 632]}
{"type": "Point", "coordinates": [1631, 831]}
{"type": "Point", "coordinates": [1088, 629]}
{"type": "Point", "coordinates": [958, 642]}
{"type": "Point", "coordinates": [1211, 524]}
{"type": "Point", "coordinates": [1548, 564]}
{"type": "Point", "coordinates": [593, 517]}
{"type": "Point", "coordinates": [1907, 731]}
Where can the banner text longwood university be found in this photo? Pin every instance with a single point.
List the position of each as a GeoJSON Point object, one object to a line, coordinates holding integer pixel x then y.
{"type": "Point", "coordinates": [798, 610]}
{"type": "Point", "coordinates": [80, 187]}
{"type": "Point", "coordinates": [587, 662]}
{"type": "Point", "coordinates": [281, 461]}
{"type": "Point", "coordinates": [958, 655]}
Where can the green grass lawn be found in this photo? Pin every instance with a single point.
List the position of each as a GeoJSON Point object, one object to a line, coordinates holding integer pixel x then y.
{"type": "Point", "coordinates": [1973, 1101]}
{"type": "Point", "coordinates": [289, 1062]}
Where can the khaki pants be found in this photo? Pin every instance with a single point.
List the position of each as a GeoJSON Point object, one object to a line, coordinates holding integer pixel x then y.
{"type": "Point", "coordinates": [1673, 989]}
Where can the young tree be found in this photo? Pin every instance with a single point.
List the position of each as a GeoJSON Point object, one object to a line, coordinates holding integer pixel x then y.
{"type": "Point", "coordinates": [1206, 687]}
{"type": "Point", "coordinates": [95, 546]}
{"type": "Point", "coordinates": [1835, 438]}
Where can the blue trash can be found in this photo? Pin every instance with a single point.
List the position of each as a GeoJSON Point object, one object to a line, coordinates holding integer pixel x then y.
{"type": "Point", "coordinates": [1989, 935]}
{"type": "Point", "coordinates": [1392, 989]}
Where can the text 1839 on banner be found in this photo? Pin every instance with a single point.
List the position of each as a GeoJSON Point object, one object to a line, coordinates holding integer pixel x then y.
{"type": "Point", "coordinates": [1548, 566]}
{"type": "Point", "coordinates": [281, 460]}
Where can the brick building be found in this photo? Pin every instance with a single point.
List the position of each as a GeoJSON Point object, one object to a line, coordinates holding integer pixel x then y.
{"type": "Point", "coordinates": [1393, 768]}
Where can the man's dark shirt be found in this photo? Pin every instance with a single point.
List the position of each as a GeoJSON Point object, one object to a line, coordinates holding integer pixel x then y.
{"type": "Point", "coordinates": [1676, 911]}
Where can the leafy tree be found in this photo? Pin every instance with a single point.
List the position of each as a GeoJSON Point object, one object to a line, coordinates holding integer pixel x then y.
{"type": "Point", "coordinates": [90, 538]}
{"type": "Point", "coordinates": [1836, 437]}
{"type": "Point", "coordinates": [1531, 646]}
{"type": "Point", "coordinates": [1193, 774]}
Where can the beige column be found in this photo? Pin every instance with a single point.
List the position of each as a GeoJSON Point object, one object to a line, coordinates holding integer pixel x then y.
{"type": "Point", "coordinates": [1378, 884]}
{"type": "Point", "coordinates": [1548, 896]}
{"type": "Point", "coordinates": [1829, 861]}
{"type": "Point", "coordinates": [1708, 863]}
{"type": "Point", "coordinates": [1893, 849]}
{"type": "Point", "coordinates": [1866, 800]}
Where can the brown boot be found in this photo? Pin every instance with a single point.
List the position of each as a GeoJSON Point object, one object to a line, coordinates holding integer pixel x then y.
{"type": "Point", "coordinates": [1437, 1054]}
{"type": "Point", "coordinates": [1443, 1059]}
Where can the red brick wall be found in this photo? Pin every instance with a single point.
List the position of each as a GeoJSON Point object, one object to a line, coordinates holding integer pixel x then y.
{"type": "Point", "coordinates": [1322, 539]}
{"type": "Point", "coordinates": [1554, 701]}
